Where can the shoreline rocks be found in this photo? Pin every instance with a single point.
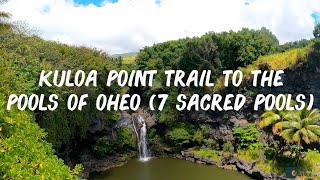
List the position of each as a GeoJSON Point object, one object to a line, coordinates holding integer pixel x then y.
{"type": "Point", "coordinates": [92, 163]}
{"type": "Point", "coordinates": [232, 163]}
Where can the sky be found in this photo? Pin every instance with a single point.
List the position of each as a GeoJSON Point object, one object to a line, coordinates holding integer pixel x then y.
{"type": "Point", "coordinates": [119, 26]}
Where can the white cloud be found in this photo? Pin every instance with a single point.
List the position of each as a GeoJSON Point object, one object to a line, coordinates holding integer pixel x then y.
{"type": "Point", "coordinates": [128, 25]}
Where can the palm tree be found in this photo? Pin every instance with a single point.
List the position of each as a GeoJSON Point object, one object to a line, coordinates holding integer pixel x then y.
{"type": "Point", "coordinates": [300, 126]}
{"type": "Point", "coordinates": [272, 117]}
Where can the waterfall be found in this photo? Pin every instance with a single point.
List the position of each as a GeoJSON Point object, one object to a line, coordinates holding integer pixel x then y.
{"type": "Point", "coordinates": [142, 141]}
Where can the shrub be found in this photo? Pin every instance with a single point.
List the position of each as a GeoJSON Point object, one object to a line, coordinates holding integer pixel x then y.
{"type": "Point", "coordinates": [124, 138]}
{"type": "Point", "coordinates": [205, 129]}
{"type": "Point", "coordinates": [104, 147]}
{"type": "Point", "coordinates": [24, 154]}
{"type": "Point", "coordinates": [201, 136]}
{"type": "Point", "coordinates": [180, 134]}
{"type": "Point", "coordinates": [198, 137]}
{"type": "Point", "coordinates": [211, 143]}
{"type": "Point", "coordinates": [123, 141]}
{"type": "Point", "coordinates": [228, 147]}
{"type": "Point", "coordinates": [248, 137]}
{"type": "Point", "coordinates": [312, 159]}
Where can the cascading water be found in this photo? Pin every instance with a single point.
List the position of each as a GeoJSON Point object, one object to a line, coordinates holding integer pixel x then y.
{"type": "Point", "coordinates": [142, 141]}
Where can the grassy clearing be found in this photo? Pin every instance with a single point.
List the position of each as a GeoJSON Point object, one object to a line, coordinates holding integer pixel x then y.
{"type": "Point", "coordinates": [309, 165]}
{"type": "Point", "coordinates": [208, 153]}
{"type": "Point", "coordinates": [288, 60]}
{"type": "Point", "coordinates": [260, 159]}
{"type": "Point", "coordinates": [129, 59]}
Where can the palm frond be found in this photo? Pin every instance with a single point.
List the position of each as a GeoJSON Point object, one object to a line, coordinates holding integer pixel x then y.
{"type": "Point", "coordinates": [287, 134]}
{"type": "Point", "coordinates": [312, 118]}
{"type": "Point", "coordinates": [305, 135]}
{"type": "Point", "coordinates": [268, 114]}
{"type": "Point", "coordinates": [269, 118]}
{"type": "Point", "coordinates": [312, 136]}
{"type": "Point", "coordinates": [314, 128]}
{"type": "Point", "coordinates": [292, 116]}
{"type": "Point", "coordinates": [283, 113]}
{"type": "Point", "coordinates": [289, 125]}
{"type": "Point", "coordinates": [297, 136]}
{"type": "Point", "coordinates": [276, 127]}
{"type": "Point", "coordinates": [309, 121]}
{"type": "Point", "coordinates": [314, 112]}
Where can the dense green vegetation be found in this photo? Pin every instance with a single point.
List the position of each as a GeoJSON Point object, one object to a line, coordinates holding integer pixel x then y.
{"type": "Point", "coordinates": [28, 152]}
{"type": "Point", "coordinates": [239, 49]}
{"type": "Point", "coordinates": [123, 142]}
{"type": "Point", "coordinates": [24, 153]}
{"type": "Point", "coordinates": [247, 137]}
{"type": "Point", "coordinates": [27, 56]}
{"type": "Point", "coordinates": [295, 44]}
{"type": "Point", "coordinates": [29, 141]}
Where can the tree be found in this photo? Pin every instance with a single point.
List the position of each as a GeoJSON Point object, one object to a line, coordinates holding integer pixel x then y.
{"type": "Point", "coordinates": [316, 31]}
{"type": "Point", "coordinates": [180, 134]}
{"type": "Point", "coordinates": [4, 18]}
{"type": "Point", "coordinates": [274, 116]}
{"type": "Point", "coordinates": [238, 49]}
{"type": "Point", "coordinates": [24, 153]}
{"type": "Point", "coordinates": [200, 54]}
{"type": "Point", "coordinates": [300, 126]}
{"type": "Point", "coordinates": [295, 44]}
{"type": "Point", "coordinates": [120, 59]}
{"type": "Point", "coordinates": [167, 52]}
{"type": "Point", "coordinates": [270, 118]}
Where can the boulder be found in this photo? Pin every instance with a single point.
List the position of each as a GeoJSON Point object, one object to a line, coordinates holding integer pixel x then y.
{"type": "Point", "coordinates": [200, 162]}
{"type": "Point", "coordinates": [190, 159]}
{"type": "Point", "coordinates": [197, 157]}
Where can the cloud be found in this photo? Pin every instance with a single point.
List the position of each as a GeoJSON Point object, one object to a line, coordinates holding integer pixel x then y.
{"type": "Point", "coordinates": [128, 25]}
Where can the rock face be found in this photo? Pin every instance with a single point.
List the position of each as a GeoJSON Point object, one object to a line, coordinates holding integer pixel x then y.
{"type": "Point", "coordinates": [97, 164]}
{"type": "Point", "coordinates": [83, 153]}
{"type": "Point", "coordinates": [302, 80]}
{"type": "Point", "coordinates": [233, 163]}
{"type": "Point", "coordinates": [222, 133]}
{"type": "Point", "coordinates": [96, 125]}
{"type": "Point", "coordinates": [147, 114]}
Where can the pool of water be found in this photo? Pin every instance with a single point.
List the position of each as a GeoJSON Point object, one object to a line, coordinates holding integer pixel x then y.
{"type": "Point", "coordinates": [167, 169]}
